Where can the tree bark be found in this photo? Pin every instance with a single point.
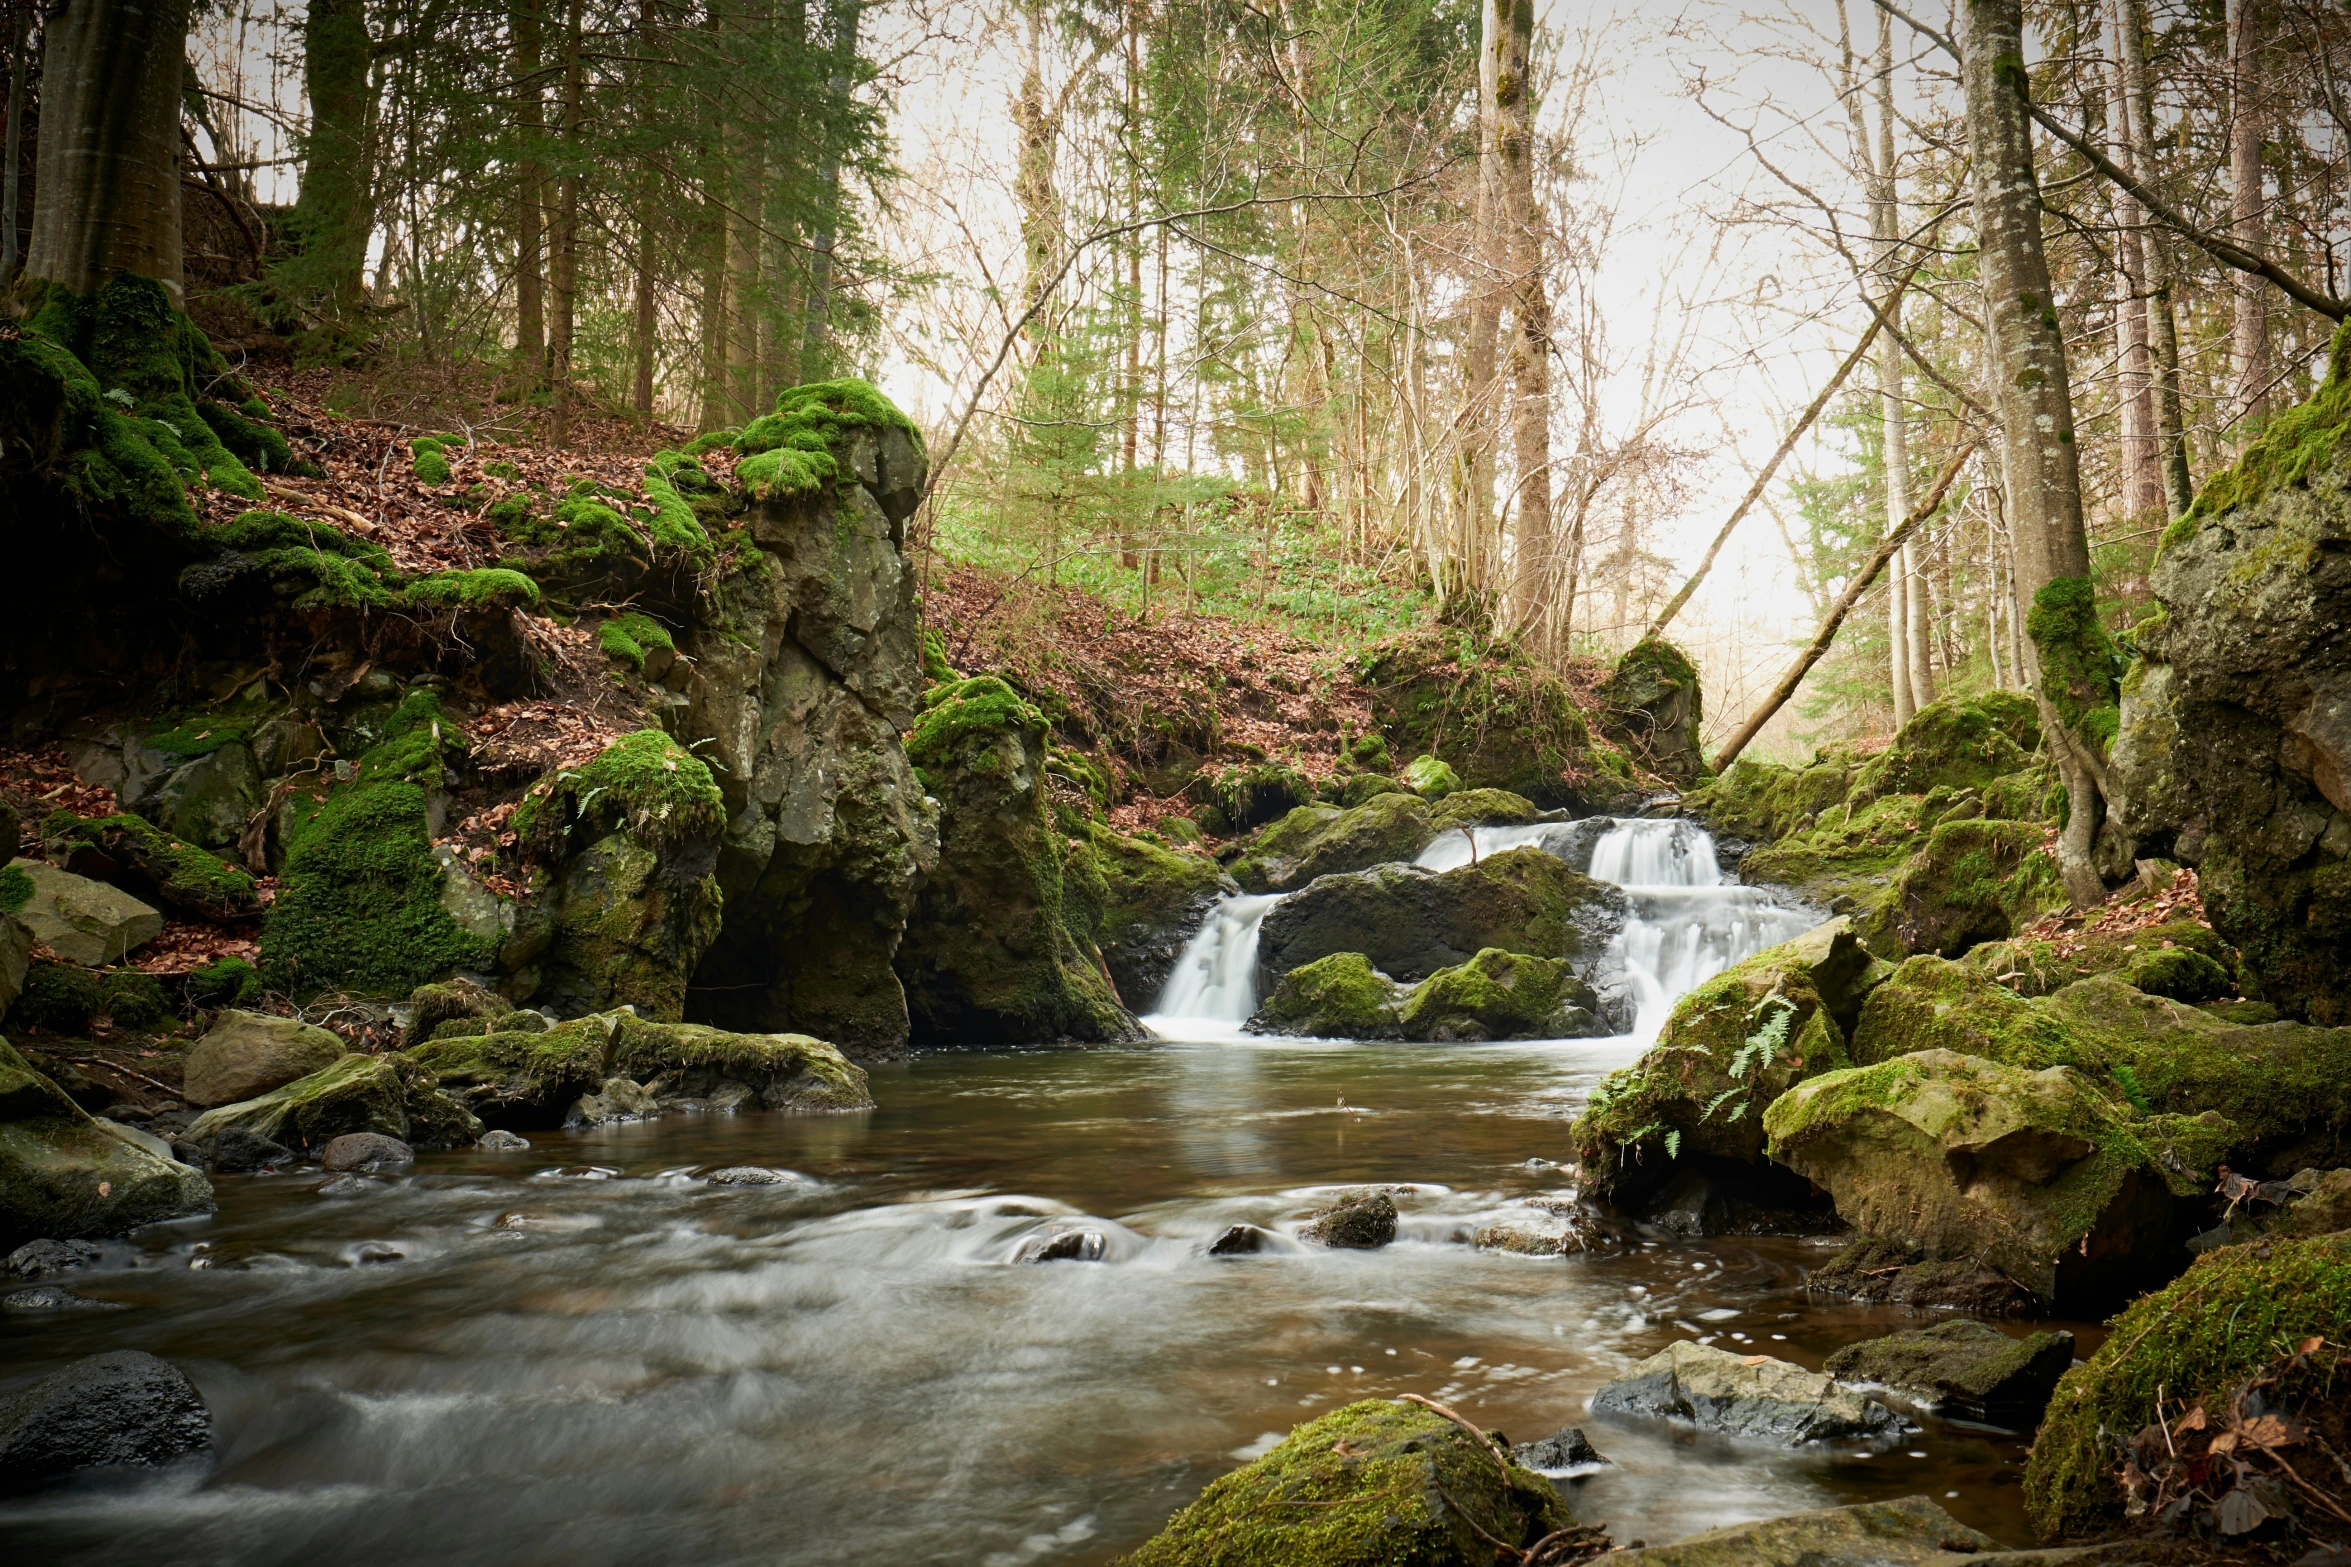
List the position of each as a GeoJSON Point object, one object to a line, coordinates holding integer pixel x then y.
{"type": "Point", "coordinates": [336, 209]}
{"type": "Point", "coordinates": [816, 351]}
{"type": "Point", "coordinates": [2141, 471]}
{"type": "Point", "coordinates": [1530, 344]}
{"type": "Point", "coordinates": [1901, 603]}
{"type": "Point", "coordinates": [11, 180]}
{"type": "Point", "coordinates": [1480, 388]}
{"type": "Point", "coordinates": [2163, 343]}
{"type": "Point", "coordinates": [2031, 382]}
{"type": "Point", "coordinates": [2249, 364]}
{"type": "Point", "coordinates": [106, 183]}
{"type": "Point", "coordinates": [530, 218]}
{"type": "Point", "coordinates": [564, 274]}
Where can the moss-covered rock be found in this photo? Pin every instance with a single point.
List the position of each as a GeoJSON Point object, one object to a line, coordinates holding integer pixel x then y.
{"type": "Point", "coordinates": [151, 863]}
{"type": "Point", "coordinates": [1430, 777]}
{"type": "Point", "coordinates": [1248, 797]}
{"type": "Point", "coordinates": [1756, 801]}
{"type": "Point", "coordinates": [64, 1175]}
{"type": "Point", "coordinates": [2036, 966]}
{"type": "Point", "coordinates": [1375, 1482]}
{"type": "Point", "coordinates": [2189, 1343]}
{"type": "Point", "coordinates": [1153, 899]}
{"type": "Point", "coordinates": [246, 1054]}
{"type": "Point", "coordinates": [1411, 922]}
{"type": "Point", "coordinates": [2179, 974]}
{"type": "Point", "coordinates": [1502, 995]}
{"type": "Point", "coordinates": [1320, 840]}
{"type": "Point", "coordinates": [1970, 882]}
{"type": "Point", "coordinates": [1956, 743]}
{"type": "Point", "coordinates": [82, 921]}
{"type": "Point", "coordinates": [1337, 997]}
{"type": "Point", "coordinates": [1966, 1369]}
{"type": "Point", "coordinates": [1730, 1048]}
{"type": "Point", "coordinates": [1482, 808]}
{"type": "Point", "coordinates": [63, 998]}
{"type": "Point", "coordinates": [1846, 861]}
{"type": "Point", "coordinates": [1654, 706]}
{"type": "Point", "coordinates": [2038, 1175]}
{"type": "Point", "coordinates": [519, 1079]}
{"type": "Point", "coordinates": [992, 954]}
{"type": "Point", "coordinates": [786, 1071]}
{"type": "Point", "coordinates": [360, 898]}
{"type": "Point", "coordinates": [355, 1093]}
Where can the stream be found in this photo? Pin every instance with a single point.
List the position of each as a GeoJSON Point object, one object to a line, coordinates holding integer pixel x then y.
{"type": "Point", "coordinates": [592, 1352]}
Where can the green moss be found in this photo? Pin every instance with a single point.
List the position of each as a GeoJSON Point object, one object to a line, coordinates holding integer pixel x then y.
{"type": "Point", "coordinates": [359, 1093]}
{"type": "Point", "coordinates": [1759, 800]}
{"type": "Point", "coordinates": [430, 1006]}
{"type": "Point", "coordinates": [1336, 997]}
{"type": "Point", "coordinates": [1430, 778]}
{"type": "Point", "coordinates": [225, 982]}
{"type": "Point", "coordinates": [16, 889]}
{"type": "Point", "coordinates": [522, 1075]}
{"type": "Point", "coordinates": [2180, 973]}
{"type": "Point", "coordinates": [644, 1050]}
{"type": "Point", "coordinates": [477, 589]}
{"type": "Point", "coordinates": [631, 636]}
{"type": "Point", "coordinates": [660, 791]}
{"type": "Point", "coordinates": [430, 462]}
{"type": "Point", "coordinates": [359, 900]}
{"type": "Point", "coordinates": [2291, 447]}
{"type": "Point", "coordinates": [2191, 1342]}
{"type": "Point", "coordinates": [675, 527]}
{"type": "Point", "coordinates": [1931, 1003]}
{"type": "Point", "coordinates": [1972, 881]}
{"type": "Point", "coordinates": [63, 998]}
{"type": "Point", "coordinates": [953, 713]}
{"type": "Point", "coordinates": [318, 566]}
{"type": "Point", "coordinates": [791, 452]}
{"type": "Point", "coordinates": [1496, 717]}
{"type": "Point", "coordinates": [935, 667]}
{"type": "Point", "coordinates": [502, 470]}
{"type": "Point", "coordinates": [1505, 994]}
{"type": "Point", "coordinates": [177, 872]}
{"type": "Point", "coordinates": [2081, 669]}
{"type": "Point", "coordinates": [1961, 742]}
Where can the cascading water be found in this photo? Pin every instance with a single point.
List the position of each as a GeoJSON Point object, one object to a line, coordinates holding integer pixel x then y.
{"type": "Point", "coordinates": [1687, 923]}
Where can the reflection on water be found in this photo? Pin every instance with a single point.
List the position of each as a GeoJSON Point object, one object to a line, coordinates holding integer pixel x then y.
{"type": "Point", "coordinates": [589, 1353]}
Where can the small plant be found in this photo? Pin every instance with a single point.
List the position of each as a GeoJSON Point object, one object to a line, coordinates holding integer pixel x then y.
{"type": "Point", "coordinates": [1761, 1049]}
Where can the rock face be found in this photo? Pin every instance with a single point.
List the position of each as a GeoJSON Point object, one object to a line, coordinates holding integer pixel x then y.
{"type": "Point", "coordinates": [64, 1174]}
{"type": "Point", "coordinates": [998, 952]}
{"type": "Point", "coordinates": [246, 1054]}
{"type": "Point", "coordinates": [83, 921]}
{"type": "Point", "coordinates": [120, 1410]}
{"type": "Point", "coordinates": [1153, 900]}
{"type": "Point", "coordinates": [1912, 1532]}
{"type": "Point", "coordinates": [1433, 1495]}
{"type": "Point", "coordinates": [2234, 751]}
{"type": "Point", "coordinates": [1410, 922]}
{"type": "Point", "coordinates": [1965, 1368]}
{"type": "Point", "coordinates": [1731, 1047]}
{"type": "Point", "coordinates": [1502, 995]}
{"type": "Point", "coordinates": [802, 681]}
{"type": "Point", "coordinates": [1749, 1396]}
{"type": "Point", "coordinates": [2035, 1174]}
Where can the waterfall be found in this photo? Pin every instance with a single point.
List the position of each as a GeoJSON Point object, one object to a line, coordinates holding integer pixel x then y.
{"type": "Point", "coordinates": [1687, 923]}
{"type": "Point", "coordinates": [1214, 983]}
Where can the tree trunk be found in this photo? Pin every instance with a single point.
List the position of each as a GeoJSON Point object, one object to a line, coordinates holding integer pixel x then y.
{"type": "Point", "coordinates": [1530, 308]}
{"type": "Point", "coordinates": [565, 273]}
{"type": "Point", "coordinates": [2141, 474]}
{"type": "Point", "coordinates": [648, 216]}
{"type": "Point", "coordinates": [11, 179]}
{"type": "Point", "coordinates": [816, 352]}
{"type": "Point", "coordinates": [2249, 322]}
{"type": "Point", "coordinates": [1901, 614]}
{"type": "Point", "coordinates": [106, 183]}
{"type": "Point", "coordinates": [2034, 395]}
{"type": "Point", "coordinates": [2163, 344]}
{"type": "Point", "coordinates": [1480, 392]}
{"type": "Point", "coordinates": [530, 220]}
{"type": "Point", "coordinates": [336, 210]}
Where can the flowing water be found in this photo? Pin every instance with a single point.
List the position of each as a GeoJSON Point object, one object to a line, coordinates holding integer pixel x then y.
{"type": "Point", "coordinates": [591, 1352]}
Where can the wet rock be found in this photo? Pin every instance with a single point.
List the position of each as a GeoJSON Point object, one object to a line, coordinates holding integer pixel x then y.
{"type": "Point", "coordinates": [1153, 901]}
{"type": "Point", "coordinates": [369, 1254]}
{"type": "Point", "coordinates": [1239, 1240]}
{"type": "Point", "coordinates": [349, 1186]}
{"type": "Point", "coordinates": [1316, 840]}
{"type": "Point", "coordinates": [366, 1151]}
{"type": "Point", "coordinates": [1062, 1246]}
{"type": "Point", "coordinates": [1912, 1532]}
{"type": "Point", "coordinates": [1967, 1369]}
{"type": "Point", "coordinates": [1881, 1272]}
{"type": "Point", "coordinates": [503, 1141]}
{"type": "Point", "coordinates": [1795, 1002]}
{"type": "Point", "coordinates": [355, 1094]}
{"type": "Point", "coordinates": [619, 1100]}
{"type": "Point", "coordinates": [1527, 1240]}
{"type": "Point", "coordinates": [1338, 997]}
{"type": "Point", "coordinates": [1410, 922]}
{"type": "Point", "coordinates": [121, 1410]}
{"type": "Point", "coordinates": [1500, 995]}
{"type": "Point", "coordinates": [83, 921]}
{"type": "Point", "coordinates": [1358, 1221]}
{"type": "Point", "coordinates": [65, 1175]}
{"type": "Point", "coordinates": [1564, 1449]}
{"type": "Point", "coordinates": [246, 1054]}
{"type": "Point", "coordinates": [239, 1150]}
{"type": "Point", "coordinates": [786, 1071]}
{"type": "Point", "coordinates": [1750, 1396]}
{"type": "Point", "coordinates": [752, 1175]}
{"type": "Point", "coordinates": [1433, 1495]}
{"type": "Point", "coordinates": [44, 1259]}
{"type": "Point", "coordinates": [54, 1297]}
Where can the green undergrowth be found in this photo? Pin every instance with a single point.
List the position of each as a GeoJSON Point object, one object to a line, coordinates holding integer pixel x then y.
{"type": "Point", "coordinates": [359, 899]}
{"type": "Point", "coordinates": [315, 566]}
{"type": "Point", "coordinates": [16, 889]}
{"type": "Point", "coordinates": [632, 636]}
{"type": "Point", "coordinates": [430, 461]}
{"type": "Point", "coordinates": [660, 791]}
{"type": "Point", "coordinates": [225, 982]}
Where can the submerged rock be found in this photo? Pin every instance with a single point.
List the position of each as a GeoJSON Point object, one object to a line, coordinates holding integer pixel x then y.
{"type": "Point", "coordinates": [1883, 1272]}
{"type": "Point", "coordinates": [620, 1100]}
{"type": "Point", "coordinates": [1239, 1240]}
{"type": "Point", "coordinates": [65, 1175]}
{"type": "Point", "coordinates": [502, 1141]}
{"type": "Point", "coordinates": [1358, 1221]}
{"type": "Point", "coordinates": [1431, 1495]}
{"type": "Point", "coordinates": [1411, 922]}
{"type": "Point", "coordinates": [246, 1054]}
{"type": "Point", "coordinates": [121, 1410]}
{"type": "Point", "coordinates": [1749, 1396]}
{"type": "Point", "coordinates": [1911, 1532]}
{"type": "Point", "coordinates": [1967, 1369]}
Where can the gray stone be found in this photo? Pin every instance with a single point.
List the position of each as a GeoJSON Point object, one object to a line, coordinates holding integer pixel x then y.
{"type": "Point", "coordinates": [54, 1297]}
{"type": "Point", "coordinates": [84, 921]}
{"type": "Point", "coordinates": [752, 1175]}
{"type": "Point", "coordinates": [1564, 1452]}
{"type": "Point", "coordinates": [121, 1410]}
{"type": "Point", "coordinates": [209, 800]}
{"type": "Point", "coordinates": [366, 1151]}
{"type": "Point", "coordinates": [1750, 1396]}
{"type": "Point", "coordinates": [240, 1151]}
{"type": "Point", "coordinates": [64, 1174]}
{"type": "Point", "coordinates": [503, 1142]}
{"type": "Point", "coordinates": [620, 1099]}
{"type": "Point", "coordinates": [246, 1054]}
{"type": "Point", "coordinates": [1968, 1370]}
{"type": "Point", "coordinates": [1359, 1221]}
{"type": "Point", "coordinates": [44, 1259]}
{"type": "Point", "coordinates": [1912, 1532]}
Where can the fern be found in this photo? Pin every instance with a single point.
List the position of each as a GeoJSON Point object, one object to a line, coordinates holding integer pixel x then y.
{"type": "Point", "coordinates": [1673, 1145]}
{"type": "Point", "coordinates": [1716, 1103]}
{"type": "Point", "coordinates": [1763, 1046]}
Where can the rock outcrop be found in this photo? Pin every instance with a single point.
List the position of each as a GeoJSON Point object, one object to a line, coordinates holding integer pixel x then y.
{"type": "Point", "coordinates": [1653, 708]}
{"type": "Point", "coordinates": [1502, 995]}
{"type": "Point", "coordinates": [64, 1174]}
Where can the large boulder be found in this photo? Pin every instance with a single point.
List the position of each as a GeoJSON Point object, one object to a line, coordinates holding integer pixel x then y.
{"type": "Point", "coordinates": [64, 1174]}
{"type": "Point", "coordinates": [1749, 1396]}
{"type": "Point", "coordinates": [633, 836]}
{"type": "Point", "coordinates": [802, 676]}
{"type": "Point", "coordinates": [1964, 1369]}
{"type": "Point", "coordinates": [246, 1054]}
{"type": "Point", "coordinates": [1956, 744]}
{"type": "Point", "coordinates": [1411, 922]}
{"type": "Point", "coordinates": [997, 952]}
{"type": "Point", "coordinates": [83, 921]}
{"type": "Point", "coordinates": [134, 854]}
{"type": "Point", "coordinates": [517, 1079]}
{"type": "Point", "coordinates": [1502, 995]}
{"type": "Point", "coordinates": [208, 799]}
{"type": "Point", "coordinates": [121, 1410]}
{"type": "Point", "coordinates": [2234, 746]}
{"type": "Point", "coordinates": [2189, 1344]}
{"type": "Point", "coordinates": [1653, 708]}
{"type": "Point", "coordinates": [1319, 840]}
{"type": "Point", "coordinates": [355, 1093]}
{"type": "Point", "coordinates": [1730, 1047]}
{"type": "Point", "coordinates": [1338, 997]}
{"type": "Point", "coordinates": [2038, 1175]}
{"type": "Point", "coordinates": [1431, 1494]}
